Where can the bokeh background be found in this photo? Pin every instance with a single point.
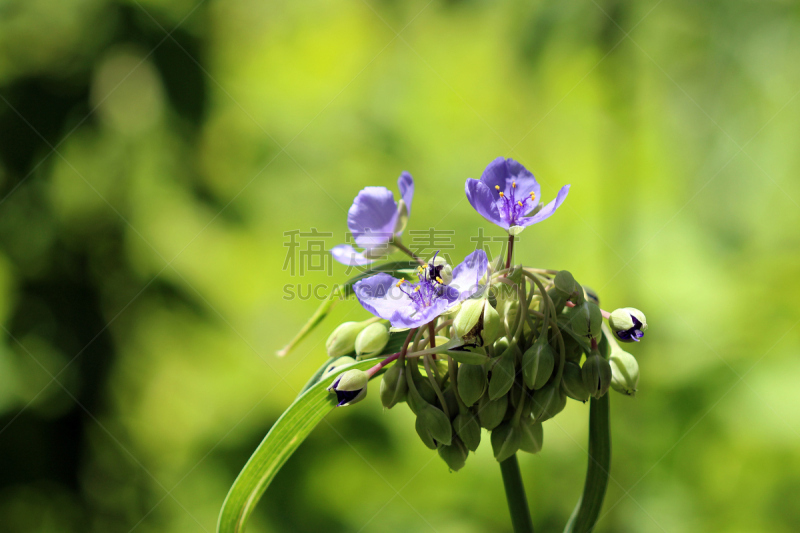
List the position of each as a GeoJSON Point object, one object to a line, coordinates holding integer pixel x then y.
{"type": "Point", "coordinates": [154, 155]}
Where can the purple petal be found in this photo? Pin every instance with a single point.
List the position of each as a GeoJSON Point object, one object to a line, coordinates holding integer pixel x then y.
{"type": "Point", "coordinates": [380, 295]}
{"type": "Point", "coordinates": [504, 173]}
{"type": "Point", "coordinates": [480, 196]}
{"type": "Point", "coordinates": [406, 185]}
{"type": "Point", "coordinates": [413, 317]}
{"type": "Point", "coordinates": [347, 255]}
{"type": "Point", "coordinates": [467, 275]}
{"type": "Point", "coordinates": [547, 210]}
{"type": "Point", "coordinates": [372, 217]}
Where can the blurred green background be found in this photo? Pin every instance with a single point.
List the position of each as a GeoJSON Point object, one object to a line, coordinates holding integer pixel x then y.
{"type": "Point", "coordinates": [154, 153]}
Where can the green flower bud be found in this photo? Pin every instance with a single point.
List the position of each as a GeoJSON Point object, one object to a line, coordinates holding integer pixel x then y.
{"type": "Point", "coordinates": [466, 323]}
{"type": "Point", "coordinates": [500, 345]}
{"type": "Point", "coordinates": [537, 363]}
{"type": "Point", "coordinates": [624, 372]}
{"type": "Point", "coordinates": [564, 282]}
{"type": "Point", "coordinates": [433, 427]}
{"type": "Point", "coordinates": [506, 440]}
{"type": "Point", "coordinates": [468, 430]}
{"type": "Point", "coordinates": [585, 319]}
{"type": "Point", "coordinates": [596, 375]}
{"type": "Point", "coordinates": [502, 372]}
{"type": "Point", "coordinates": [559, 299]}
{"type": "Point", "coordinates": [372, 340]}
{"type": "Point", "coordinates": [531, 435]}
{"type": "Point", "coordinates": [572, 382]}
{"type": "Point", "coordinates": [336, 363]}
{"type": "Point", "coordinates": [450, 399]}
{"type": "Point", "coordinates": [343, 339]}
{"type": "Point", "coordinates": [424, 395]}
{"type": "Point", "coordinates": [492, 412]}
{"type": "Point", "coordinates": [471, 383]}
{"type": "Point", "coordinates": [350, 387]}
{"type": "Point", "coordinates": [455, 455]}
{"type": "Point", "coordinates": [628, 324]}
{"type": "Point", "coordinates": [491, 324]}
{"type": "Point", "coordinates": [591, 294]}
{"type": "Point", "coordinates": [548, 402]}
{"type": "Point", "coordinates": [394, 386]}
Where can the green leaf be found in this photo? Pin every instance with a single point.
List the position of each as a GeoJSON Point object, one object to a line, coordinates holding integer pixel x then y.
{"type": "Point", "coordinates": [404, 269]}
{"type": "Point", "coordinates": [282, 440]}
{"type": "Point", "coordinates": [585, 515]}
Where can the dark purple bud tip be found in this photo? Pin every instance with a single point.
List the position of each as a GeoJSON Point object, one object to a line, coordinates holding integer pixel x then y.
{"type": "Point", "coordinates": [632, 334]}
{"type": "Point", "coordinates": [346, 396]}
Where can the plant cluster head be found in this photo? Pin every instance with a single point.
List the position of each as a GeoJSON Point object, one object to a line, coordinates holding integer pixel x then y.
{"type": "Point", "coordinates": [499, 347]}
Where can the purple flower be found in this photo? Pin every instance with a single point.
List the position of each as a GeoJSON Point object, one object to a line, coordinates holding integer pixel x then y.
{"type": "Point", "coordinates": [507, 192]}
{"type": "Point", "coordinates": [410, 305]}
{"type": "Point", "coordinates": [632, 334]}
{"type": "Point", "coordinates": [374, 219]}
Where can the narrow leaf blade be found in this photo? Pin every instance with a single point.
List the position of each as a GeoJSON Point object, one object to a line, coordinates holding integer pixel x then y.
{"type": "Point", "coordinates": [283, 439]}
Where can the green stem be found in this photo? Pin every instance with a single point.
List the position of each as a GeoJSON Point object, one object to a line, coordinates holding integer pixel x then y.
{"type": "Point", "coordinates": [585, 515]}
{"type": "Point", "coordinates": [515, 494]}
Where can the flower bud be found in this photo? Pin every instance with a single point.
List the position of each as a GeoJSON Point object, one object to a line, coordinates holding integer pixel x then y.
{"type": "Point", "coordinates": [491, 412]}
{"type": "Point", "coordinates": [531, 435]}
{"type": "Point", "coordinates": [455, 455]}
{"type": "Point", "coordinates": [471, 383]}
{"type": "Point", "coordinates": [572, 382]}
{"type": "Point", "coordinates": [468, 430]}
{"type": "Point", "coordinates": [559, 299]}
{"type": "Point", "coordinates": [596, 375]}
{"type": "Point", "coordinates": [433, 427]}
{"type": "Point", "coordinates": [502, 371]}
{"type": "Point", "coordinates": [591, 294]}
{"type": "Point", "coordinates": [372, 340]}
{"type": "Point", "coordinates": [537, 363]}
{"type": "Point", "coordinates": [506, 439]}
{"type": "Point", "coordinates": [628, 324]}
{"type": "Point", "coordinates": [466, 324]}
{"type": "Point", "coordinates": [624, 372]}
{"type": "Point", "coordinates": [343, 339]}
{"type": "Point", "coordinates": [336, 363]}
{"type": "Point", "coordinates": [564, 282]}
{"type": "Point", "coordinates": [491, 324]}
{"type": "Point", "coordinates": [548, 402]}
{"type": "Point", "coordinates": [350, 387]}
{"type": "Point", "coordinates": [394, 386]}
{"type": "Point", "coordinates": [585, 319]}
{"type": "Point", "coordinates": [500, 345]}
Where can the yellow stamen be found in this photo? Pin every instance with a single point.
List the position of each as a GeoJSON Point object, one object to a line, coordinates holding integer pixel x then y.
{"type": "Point", "coordinates": [400, 282]}
{"type": "Point", "coordinates": [501, 194]}
{"type": "Point", "coordinates": [497, 187]}
{"type": "Point", "coordinates": [417, 289]}
{"type": "Point", "coordinates": [439, 280]}
{"type": "Point", "coordinates": [533, 196]}
{"type": "Point", "coordinates": [514, 184]}
{"type": "Point", "coordinates": [520, 204]}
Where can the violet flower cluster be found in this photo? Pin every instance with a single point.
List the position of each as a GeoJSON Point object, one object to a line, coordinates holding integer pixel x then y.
{"type": "Point", "coordinates": [495, 346]}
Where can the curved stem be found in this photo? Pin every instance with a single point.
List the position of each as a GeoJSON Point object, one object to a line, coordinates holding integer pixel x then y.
{"type": "Point", "coordinates": [515, 494]}
{"type": "Point", "coordinates": [397, 243]}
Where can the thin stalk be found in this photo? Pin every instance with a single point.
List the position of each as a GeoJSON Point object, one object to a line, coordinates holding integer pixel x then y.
{"type": "Point", "coordinates": [397, 243]}
{"type": "Point", "coordinates": [510, 250]}
{"type": "Point", "coordinates": [515, 494]}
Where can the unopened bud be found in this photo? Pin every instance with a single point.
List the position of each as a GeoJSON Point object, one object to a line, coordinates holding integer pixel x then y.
{"type": "Point", "coordinates": [564, 282]}
{"type": "Point", "coordinates": [372, 340]}
{"type": "Point", "coordinates": [548, 402]}
{"type": "Point", "coordinates": [491, 412]}
{"type": "Point", "coordinates": [531, 435]}
{"type": "Point", "coordinates": [491, 324]}
{"type": "Point", "coordinates": [537, 363]}
{"type": "Point", "coordinates": [468, 430]}
{"type": "Point", "coordinates": [585, 319]}
{"type": "Point", "coordinates": [394, 386]}
{"type": "Point", "coordinates": [343, 339]}
{"type": "Point", "coordinates": [433, 427]}
{"type": "Point", "coordinates": [628, 324]}
{"type": "Point", "coordinates": [502, 372]}
{"type": "Point", "coordinates": [506, 439]}
{"type": "Point", "coordinates": [596, 375]}
{"type": "Point", "coordinates": [624, 372]}
{"type": "Point", "coordinates": [350, 387]}
{"type": "Point", "coordinates": [466, 323]}
{"type": "Point", "coordinates": [572, 382]}
{"type": "Point", "coordinates": [471, 383]}
{"type": "Point", "coordinates": [455, 455]}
